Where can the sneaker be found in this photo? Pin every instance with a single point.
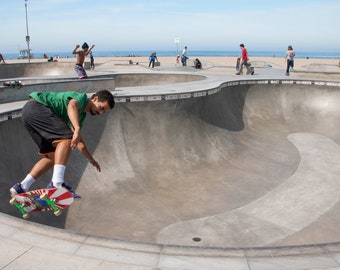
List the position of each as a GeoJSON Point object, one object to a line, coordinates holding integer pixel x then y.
{"type": "Point", "coordinates": [68, 187]}
{"type": "Point", "coordinates": [17, 189]}
{"type": "Point", "coordinates": [238, 73]}
{"type": "Point", "coordinates": [252, 73]}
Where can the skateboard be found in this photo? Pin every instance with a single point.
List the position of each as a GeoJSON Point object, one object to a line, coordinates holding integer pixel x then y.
{"type": "Point", "coordinates": [238, 62]}
{"type": "Point", "coordinates": [250, 68]}
{"type": "Point", "coordinates": [13, 84]}
{"type": "Point", "coordinates": [44, 199]}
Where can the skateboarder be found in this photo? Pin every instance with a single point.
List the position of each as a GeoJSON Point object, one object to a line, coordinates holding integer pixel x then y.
{"type": "Point", "coordinates": [81, 58]}
{"type": "Point", "coordinates": [54, 121]}
{"type": "Point", "coordinates": [153, 58]}
{"type": "Point", "coordinates": [244, 61]}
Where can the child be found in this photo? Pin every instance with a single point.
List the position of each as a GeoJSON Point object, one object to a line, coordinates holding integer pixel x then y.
{"type": "Point", "coordinates": [81, 58]}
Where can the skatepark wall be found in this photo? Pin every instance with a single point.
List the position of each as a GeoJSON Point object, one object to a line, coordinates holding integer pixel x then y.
{"type": "Point", "coordinates": [17, 70]}
{"type": "Point", "coordinates": [146, 79]}
{"type": "Point", "coordinates": [91, 85]}
{"type": "Point", "coordinates": [171, 161]}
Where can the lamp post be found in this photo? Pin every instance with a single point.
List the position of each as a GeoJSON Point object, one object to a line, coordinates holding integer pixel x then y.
{"type": "Point", "coordinates": [177, 42]}
{"type": "Point", "coordinates": [27, 35]}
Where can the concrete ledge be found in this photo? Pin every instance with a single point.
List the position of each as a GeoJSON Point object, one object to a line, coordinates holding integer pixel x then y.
{"type": "Point", "coordinates": [36, 69]}
{"type": "Point", "coordinates": [55, 247]}
{"type": "Point", "coordinates": [9, 94]}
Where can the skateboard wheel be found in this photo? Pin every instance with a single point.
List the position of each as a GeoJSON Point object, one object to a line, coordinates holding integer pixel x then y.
{"type": "Point", "coordinates": [58, 212]}
{"type": "Point", "coordinates": [12, 201]}
{"type": "Point", "coordinates": [26, 216]}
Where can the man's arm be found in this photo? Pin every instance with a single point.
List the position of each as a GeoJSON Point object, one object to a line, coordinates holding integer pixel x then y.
{"type": "Point", "coordinates": [83, 149]}
{"type": "Point", "coordinates": [77, 141]}
{"type": "Point", "coordinates": [72, 111]}
{"type": "Point", "coordinates": [90, 49]}
{"type": "Point", "coordinates": [75, 49]}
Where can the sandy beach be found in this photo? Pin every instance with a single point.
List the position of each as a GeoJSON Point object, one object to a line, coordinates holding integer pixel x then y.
{"type": "Point", "coordinates": [208, 60]}
{"type": "Point", "coordinates": [223, 65]}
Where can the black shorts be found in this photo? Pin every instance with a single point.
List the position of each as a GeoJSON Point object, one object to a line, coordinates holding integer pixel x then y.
{"type": "Point", "coordinates": [44, 126]}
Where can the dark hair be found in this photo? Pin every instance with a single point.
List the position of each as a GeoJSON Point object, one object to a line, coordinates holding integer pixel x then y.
{"type": "Point", "coordinates": [242, 45]}
{"type": "Point", "coordinates": [85, 45]}
{"type": "Point", "coordinates": [105, 95]}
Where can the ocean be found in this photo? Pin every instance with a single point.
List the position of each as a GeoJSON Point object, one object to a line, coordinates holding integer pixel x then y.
{"type": "Point", "coordinates": [320, 55]}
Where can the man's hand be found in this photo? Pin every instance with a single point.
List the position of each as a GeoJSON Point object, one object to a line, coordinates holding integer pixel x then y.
{"type": "Point", "coordinates": [96, 164]}
{"type": "Point", "coordinates": [75, 139]}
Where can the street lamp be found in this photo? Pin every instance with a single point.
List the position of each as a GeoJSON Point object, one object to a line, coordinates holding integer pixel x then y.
{"type": "Point", "coordinates": [177, 42]}
{"type": "Point", "coordinates": [27, 35]}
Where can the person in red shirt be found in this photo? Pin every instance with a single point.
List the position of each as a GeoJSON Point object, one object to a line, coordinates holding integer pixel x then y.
{"type": "Point", "coordinates": [244, 61]}
{"type": "Point", "coordinates": [2, 60]}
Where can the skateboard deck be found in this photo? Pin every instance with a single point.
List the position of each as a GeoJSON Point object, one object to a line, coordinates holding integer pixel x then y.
{"type": "Point", "coordinates": [13, 84]}
{"type": "Point", "coordinates": [44, 199]}
{"type": "Point", "coordinates": [238, 62]}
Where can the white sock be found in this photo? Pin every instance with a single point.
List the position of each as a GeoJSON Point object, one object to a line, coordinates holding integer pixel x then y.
{"type": "Point", "coordinates": [58, 175]}
{"type": "Point", "coordinates": [27, 182]}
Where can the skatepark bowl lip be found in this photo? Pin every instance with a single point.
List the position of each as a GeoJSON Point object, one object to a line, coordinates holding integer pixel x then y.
{"type": "Point", "coordinates": [85, 239]}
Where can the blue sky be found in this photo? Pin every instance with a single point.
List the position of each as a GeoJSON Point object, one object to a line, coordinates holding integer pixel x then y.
{"type": "Point", "coordinates": [58, 25]}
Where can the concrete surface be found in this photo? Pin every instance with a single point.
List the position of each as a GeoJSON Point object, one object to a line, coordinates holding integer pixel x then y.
{"type": "Point", "coordinates": [222, 173]}
{"type": "Point", "coordinates": [16, 70]}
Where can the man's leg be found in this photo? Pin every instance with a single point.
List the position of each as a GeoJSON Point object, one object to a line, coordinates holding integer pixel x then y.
{"type": "Point", "coordinates": [248, 67]}
{"type": "Point", "coordinates": [287, 69]}
{"type": "Point", "coordinates": [61, 157]}
{"type": "Point", "coordinates": [41, 167]}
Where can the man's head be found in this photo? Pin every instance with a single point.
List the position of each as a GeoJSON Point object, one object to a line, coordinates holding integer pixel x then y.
{"type": "Point", "coordinates": [242, 45]}
{"type": "Point", "coordinates": [85, 47]}
{"type": "Point", "coordinates": [102, 102]}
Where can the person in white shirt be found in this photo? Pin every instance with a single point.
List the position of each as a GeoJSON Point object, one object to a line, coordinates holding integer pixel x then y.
{"type": "Point", "coordinates": [289, 59]}
{"type": "Point", "coordinates": [184, 56]}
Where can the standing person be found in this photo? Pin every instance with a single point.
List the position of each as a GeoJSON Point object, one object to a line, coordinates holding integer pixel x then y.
{"type": "Point", "coordinates": [184, 56]}
{"type": "Point", "coordinates": [91, 61]}
{"type": "Point", "coordinates": [244, 61]}
{"type": "Point", "coordinates": [153, 58]}
{"type": "Point", "coordinates": [54, 121]}
{"type": "Point", "coordinates": [2, 60]}
{"type": "Point", "coordinates": [79, 68]}
{"type": "Point", "coordinates": [289, 58]}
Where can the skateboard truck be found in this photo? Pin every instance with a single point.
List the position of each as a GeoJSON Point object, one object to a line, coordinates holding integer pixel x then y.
{"type": "Point", "coordinates": [25, 215]}
{"type": "Point", "coordinates": [51, 203]}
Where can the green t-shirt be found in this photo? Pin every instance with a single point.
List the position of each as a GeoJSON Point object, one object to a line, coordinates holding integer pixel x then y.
{"type": "Point", "coordinates": [58, 102]}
